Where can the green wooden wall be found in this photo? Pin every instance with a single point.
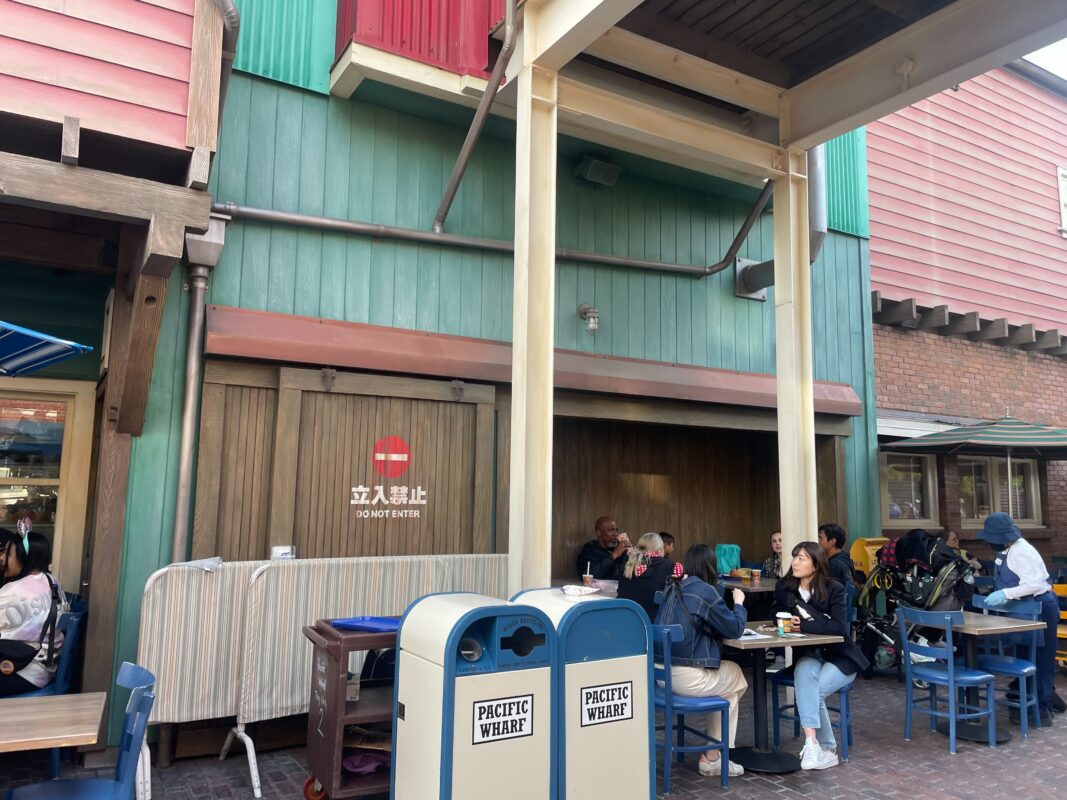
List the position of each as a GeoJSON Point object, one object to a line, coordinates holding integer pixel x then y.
{"type": "Point", "coordinates": [288, 40]}
{"type": "Point", "coordinates": [295, 150]}
{"type": "Point", "coordinates": [846, 176]}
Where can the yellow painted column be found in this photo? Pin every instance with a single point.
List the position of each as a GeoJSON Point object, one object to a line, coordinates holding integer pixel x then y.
{"type": "Point", "coordinates": [793, 357]}
{"type": "Point", "coordinates": [530, 510]}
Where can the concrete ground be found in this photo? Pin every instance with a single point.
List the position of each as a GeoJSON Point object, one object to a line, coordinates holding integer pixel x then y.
{"type": "Point", "coordinates": [881, 765]}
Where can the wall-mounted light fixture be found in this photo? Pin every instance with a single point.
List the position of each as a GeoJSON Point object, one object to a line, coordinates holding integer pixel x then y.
{"type": "Point", "coordinates": [591, 317]}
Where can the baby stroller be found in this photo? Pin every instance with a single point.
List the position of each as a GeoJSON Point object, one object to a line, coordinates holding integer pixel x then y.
{"type": "Point", "coordinates": [918, 570]}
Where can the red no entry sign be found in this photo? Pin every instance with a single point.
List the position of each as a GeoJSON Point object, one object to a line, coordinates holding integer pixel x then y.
{"type": "Point", "coordinates": [392, 457]}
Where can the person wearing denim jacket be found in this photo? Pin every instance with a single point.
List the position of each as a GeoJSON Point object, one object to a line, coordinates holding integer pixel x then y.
{"type": "Point", "coordinates": [697, 668]}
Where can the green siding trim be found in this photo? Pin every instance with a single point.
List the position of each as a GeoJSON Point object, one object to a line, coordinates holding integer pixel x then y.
{"type": "Point", "coordinates": [69, 305]}
{"type": "Point", "coordinates": [846, 173]}
{"type": "Point", "coordinates": [291, 41]}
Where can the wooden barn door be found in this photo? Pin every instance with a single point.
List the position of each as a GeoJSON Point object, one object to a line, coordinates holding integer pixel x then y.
{"type": "Point", "coordinates": [355, 465]}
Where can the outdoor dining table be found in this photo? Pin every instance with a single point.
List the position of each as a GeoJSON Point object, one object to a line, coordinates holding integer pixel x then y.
{"type": "Point", "coordinates": [64, 720]}
{"type": "Point", "coordinates": [975, 625]}
{"type": "Point", "coordinates": [761, 758]}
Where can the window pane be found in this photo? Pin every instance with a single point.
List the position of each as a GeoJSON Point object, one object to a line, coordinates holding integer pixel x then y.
{"type": "Point", "coordinates": [907, 487]}
{"type": "Point", "coordinates": [36, 502]}
{"type": "Point", "coordinates": [974, 489]}
{"type": "Point", "coordinates": [31, 438]}
{"type": "Point", "coordinates": [1021, 501]}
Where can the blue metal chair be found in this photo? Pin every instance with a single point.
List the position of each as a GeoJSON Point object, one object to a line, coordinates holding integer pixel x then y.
{"type": "Point", "coordinates": [942, 671]}
{"type": "Point", "coordinates": [141, 682]}
{"type": "Point", "coordinates": [843, 710]}
{"type": "Point", "coordinates": [1023, 670]}
{"type": "Point", "coordinates": [70, 626]}
{"type": "Point", "coordinates": [983, 582]}
{"type": "Point", "coordinates": [674, 705]}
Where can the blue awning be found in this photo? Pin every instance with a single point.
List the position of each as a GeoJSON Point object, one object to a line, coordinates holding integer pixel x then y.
{"type": "Point", "coordinates": [23, 350]}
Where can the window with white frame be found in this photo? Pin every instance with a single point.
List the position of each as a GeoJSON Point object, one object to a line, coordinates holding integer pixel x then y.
{"type": "Point", "coordinates": [1061, 180]}
{"type": "Point", "coordinates": [909, 490]}
{"type": "Point", "coordinates": [984, 488]}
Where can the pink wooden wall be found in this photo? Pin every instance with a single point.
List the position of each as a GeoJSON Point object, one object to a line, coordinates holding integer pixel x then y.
{"type": "Point", "coordinates": [964, 203]}
{"type": "Point", "coordinates": [120, 66]}
{"type": "Point", "coordinates": [450, 34]}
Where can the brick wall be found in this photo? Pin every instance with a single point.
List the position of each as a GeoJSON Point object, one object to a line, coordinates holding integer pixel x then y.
{"type": "Point", "coordinates": [927, 373]}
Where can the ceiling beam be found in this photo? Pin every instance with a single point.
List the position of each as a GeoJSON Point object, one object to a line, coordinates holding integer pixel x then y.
{"type": "Point", "coordinates": [640, 54]}
{"type": "Point", "coordinates": [555, 31]}
{"type": "Point", "coordinates": [57, 248]}
{"type": "Point", "coordinates": [948, 47]}
{"type": "Point", "coordinates": [599, 114]}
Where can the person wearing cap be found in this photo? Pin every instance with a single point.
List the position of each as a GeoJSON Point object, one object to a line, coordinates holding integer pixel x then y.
{"type": "Point", "coordinates": [1020, 574]}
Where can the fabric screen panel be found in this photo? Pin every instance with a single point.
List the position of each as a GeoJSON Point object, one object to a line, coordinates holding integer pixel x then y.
{"type": "Point", "coordinates": [192, 639]}
{"type": "Point", "coordinates": [481, 574]}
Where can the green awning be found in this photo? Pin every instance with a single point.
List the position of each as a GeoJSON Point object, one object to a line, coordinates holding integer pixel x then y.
{"type": "Point", "coordinates": [1021, 439]}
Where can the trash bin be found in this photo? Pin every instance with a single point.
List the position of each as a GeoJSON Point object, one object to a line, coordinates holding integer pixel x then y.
{"type": "Point", "coordinates": [605, 702]}
{"type": "Point", "coordinates": [475, 701]}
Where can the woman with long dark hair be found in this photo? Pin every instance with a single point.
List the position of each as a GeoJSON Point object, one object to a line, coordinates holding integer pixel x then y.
{"type": "Point", "coordinates": [697, 669]}
{"type": "Point", "coordinates": [819, 606]}
{"type": "Point", "coordinates": [30, 601]}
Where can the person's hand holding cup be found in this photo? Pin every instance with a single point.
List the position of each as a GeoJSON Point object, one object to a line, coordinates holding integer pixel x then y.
{"type": "Point", "coordinates": [622, 547]}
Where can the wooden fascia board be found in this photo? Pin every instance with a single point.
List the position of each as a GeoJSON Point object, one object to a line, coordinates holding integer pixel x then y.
{"type": "Point", "coordinates": [643, 55]}
{"type": "Point", "coordinates": [946, 48]}
{"type": "Point", "coordinates": [267, 336]}
{"type": "Point", "coordinates": [360, 62]}
{"type": "Point", "coordinates": [598, 110]}
{"type": "Point", "coordinates": [205, 77]}
{"type": "Point", "coordinates": [564, 28]}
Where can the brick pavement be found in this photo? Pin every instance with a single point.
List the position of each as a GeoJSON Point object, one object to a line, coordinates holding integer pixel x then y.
{"type": "Point", "coordinates": [881, 765]}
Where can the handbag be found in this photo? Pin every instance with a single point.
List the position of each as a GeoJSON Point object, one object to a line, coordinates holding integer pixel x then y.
{"type": "Point", "coordinates": [15, 655]}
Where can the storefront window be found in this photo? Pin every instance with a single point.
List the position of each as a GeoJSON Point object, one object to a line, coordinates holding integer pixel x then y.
{"type": "Point", "coordinates": [909, 496]}
{"type": "Point", "coordinates": [974, 489]}
{"type": "Point", "coordinates": [978, 498]}
{"type": "Point", "coordinates": [31, 451]}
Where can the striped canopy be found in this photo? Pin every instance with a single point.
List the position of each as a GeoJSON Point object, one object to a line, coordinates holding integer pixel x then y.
{"type": "Point", "coordinates": [1021, 439]}
{"type": "Point", "coordinates": [23, 350]}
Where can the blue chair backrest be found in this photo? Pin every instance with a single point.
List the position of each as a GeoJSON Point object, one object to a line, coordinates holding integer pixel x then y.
{"type": "Point", "coordinates": [1019, 609]}
{"type": "Point", "coordinates": [142, 682]}
{"type": "Point", "coordinates": [984, 582]}
{"type": "Point", "coordinates": [941, 620]}
{"type": "Point", "coordinates": [850, 604]}
{"type": "Point", "coordinates": [69, 625]}
{"type": "Point", "coordinates": [662, 636]}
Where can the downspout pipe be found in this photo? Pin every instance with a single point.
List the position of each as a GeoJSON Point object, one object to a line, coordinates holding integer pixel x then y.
{"type": "Point", "coordinates": [389, 232]}
{"type": "Point", "coordinates": [757, 277]}
{"type": "Point", "coordinates": [744, 230]}
{"type": "Point", "coordinates": [482, 113]}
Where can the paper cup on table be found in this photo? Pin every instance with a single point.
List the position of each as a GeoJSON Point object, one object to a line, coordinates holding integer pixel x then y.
{"type": "Point", "coordinates": [757, 574]}
{"type": "Point", "coordinates": [784, 619]}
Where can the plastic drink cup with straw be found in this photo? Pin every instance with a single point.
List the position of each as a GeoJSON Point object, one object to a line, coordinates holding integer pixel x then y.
{"type": "Point", "coordinates": [587, 578]}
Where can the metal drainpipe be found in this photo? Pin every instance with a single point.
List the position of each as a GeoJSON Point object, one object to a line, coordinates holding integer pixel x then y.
{"type": "Point", "coordinates": [746, 228]}
{"type": "Point", "coordinates": [377, 231]}
{"type": "Point", "coordinates": [480, 116]}
{"type": "Point", "coordinates": [198, 278]}
{"type": "Point", "coordinates": [231, 30]}
{"type": "Point", "coordinates": [757, 277]}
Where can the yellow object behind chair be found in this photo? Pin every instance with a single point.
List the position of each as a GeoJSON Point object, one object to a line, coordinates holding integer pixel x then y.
{"type": "Point", "coordinates": [863, 552]}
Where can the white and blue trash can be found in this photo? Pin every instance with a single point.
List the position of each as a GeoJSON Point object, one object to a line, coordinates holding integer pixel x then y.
{"type": "Point", "coordinates": [475, 704]}
{"type": "Point", "coordinates": [604, 695]}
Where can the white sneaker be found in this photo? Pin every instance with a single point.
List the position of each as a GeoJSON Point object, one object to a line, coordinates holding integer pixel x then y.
{"type": "Point", "coordinates": [814, 757]}
{"type": "Point", "coordinates": [711, 769]}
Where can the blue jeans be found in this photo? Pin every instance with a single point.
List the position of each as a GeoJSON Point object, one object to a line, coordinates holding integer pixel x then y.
{"type": "Point", "coordinates": [814, 680]}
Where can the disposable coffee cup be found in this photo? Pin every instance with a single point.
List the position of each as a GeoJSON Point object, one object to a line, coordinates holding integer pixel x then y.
{"type": "Point", "coordinates": [757, 574]}
{"type": "Point", "coordinates": [784, 619]}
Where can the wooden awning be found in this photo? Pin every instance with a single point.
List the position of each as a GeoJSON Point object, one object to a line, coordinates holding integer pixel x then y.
{"type": "Point", "coordinates": [266, 336]}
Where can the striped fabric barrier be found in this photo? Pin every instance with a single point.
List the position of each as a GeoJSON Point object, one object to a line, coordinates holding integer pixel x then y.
{"type": "Point", "coordinates": [482, 574]}
{"type": "Point", "coordinates": [192, 638]}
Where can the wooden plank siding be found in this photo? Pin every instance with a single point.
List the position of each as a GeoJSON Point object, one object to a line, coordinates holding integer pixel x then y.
{"type": "Point", "coordinates": [964, 202]}
{"type": "Point", "coordinates": [120, 66]}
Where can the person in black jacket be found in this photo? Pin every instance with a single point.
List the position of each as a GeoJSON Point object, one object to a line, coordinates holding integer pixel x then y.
{"type": "Point", "coordinates": [604, 556]}
{"type": "Point", "coordinates": [645, 573]}
{"type": "Point", "coordinates": [832, 538]}
{"type": "Point", "coordinates": [818, 606]}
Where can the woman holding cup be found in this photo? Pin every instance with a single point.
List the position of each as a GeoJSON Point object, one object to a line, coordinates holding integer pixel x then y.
{"type": "Point", "coordinates": [809, 602]}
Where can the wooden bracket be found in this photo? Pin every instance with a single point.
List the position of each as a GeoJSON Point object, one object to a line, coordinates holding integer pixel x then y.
{"type": "Point", "coordinates": [993, 329]}
{"type": "Point", "coordinates": [930, 319]}
{"type": "Point", "coordinates": [161, 249]}
{"type": "Point", "coordinates": [896, 313]}
{"type": "Point", "coordinates": [1047, 340]}
{"type": "Point", "coordinates": [199, 169]}
{"type": "Point", "coordinates": [1024, 334]}
{"type": "Point", "coordinates": [71, 141]}
{"type": "Point", "coordinates": [963, 325]}
{"type": "Point", "coordinates": [876, 302]}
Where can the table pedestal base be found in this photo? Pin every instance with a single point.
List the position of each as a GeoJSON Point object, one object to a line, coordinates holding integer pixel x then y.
{"type": "Point", "coordinates": [973, 732]}
{"type": "Point", "coordinates": [753, 759]}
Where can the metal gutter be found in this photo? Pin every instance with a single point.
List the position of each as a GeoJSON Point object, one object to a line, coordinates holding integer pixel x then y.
{"type": "Point", "coordinates": [475, 130]}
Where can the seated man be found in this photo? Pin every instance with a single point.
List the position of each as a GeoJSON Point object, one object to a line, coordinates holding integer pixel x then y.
{"type": "Point", "coordinates": [604, 556]}
{"type": "Point", "coordinates": [832, 537]}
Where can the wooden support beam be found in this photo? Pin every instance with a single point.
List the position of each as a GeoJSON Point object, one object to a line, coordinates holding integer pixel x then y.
{"type": "Point", "coordinates": [1046, 340]}
{"type": "Point", "coordinates": [56, 248]}
{"type": "Point", "coordinates": [1022, 335]}
{"type": "Point", "coordinates": [930, 319]}
{"type": "Point", "coordinates": [199, 169]}
{"type": "Point", "coordinates": [555, 31]}
{"type": "Point", "coordinates": [48, 184]}
{"type": "Point", "coordinates": [71, 141]}
{"type": "Point", "coordinates": [876, 302]}
{"type": "Point", "coordinates": [146, 315]}
{"type": "Point", "coordinates": [963, 325]}
{"type": "Point", "coordinates": [897, 312]}
{"type": "Point", "coordinates": [205, 71]}
{"type": "Point", "coordinates": [163, 246]}
{"type": "Point", "coordinates": [990, 330]}
{"type": "Point", "coordinates": [1057, 351]}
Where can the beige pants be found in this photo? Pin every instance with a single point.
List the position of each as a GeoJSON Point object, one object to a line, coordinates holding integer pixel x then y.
{"type": "Point", "coordinates": [728, 682]}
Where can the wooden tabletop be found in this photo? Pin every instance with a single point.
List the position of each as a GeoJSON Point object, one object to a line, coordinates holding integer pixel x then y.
{"type": "Point", "coordinates": [978, 624]}
{"type": "Point", "coordinates": [775, 641]}
{"type": "Point", "coordinates": [750, 586]}
{"type": "Point", "coordinates": [38, 723]}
